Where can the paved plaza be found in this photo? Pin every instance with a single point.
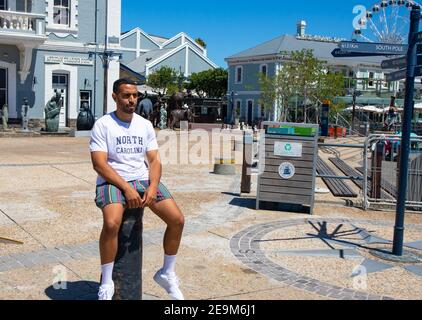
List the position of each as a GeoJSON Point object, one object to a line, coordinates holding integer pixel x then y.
{"type": "Point", "coordinates": [229, 250]}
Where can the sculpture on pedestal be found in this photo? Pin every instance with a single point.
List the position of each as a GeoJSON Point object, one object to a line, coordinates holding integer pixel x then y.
{"type": "Point", "coordinates": [52, 113]}
{"type": "Point", "coordinates": [86, 119]}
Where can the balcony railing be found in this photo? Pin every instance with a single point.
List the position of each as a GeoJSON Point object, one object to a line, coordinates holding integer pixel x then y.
{"type": "Point", "coordinates": [28, 23]}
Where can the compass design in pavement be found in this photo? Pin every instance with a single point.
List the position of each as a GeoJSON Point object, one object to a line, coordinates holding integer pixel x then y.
{"type": "Point", "coordinates": [344, 241]}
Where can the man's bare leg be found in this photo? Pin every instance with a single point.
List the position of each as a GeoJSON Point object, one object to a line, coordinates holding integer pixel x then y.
{"type": "Point", "coordinates": [170, 213]}
{"type": "Point", "coordinates": [166, 277]}
{"type": "Point", "coordinates": [113, 216]}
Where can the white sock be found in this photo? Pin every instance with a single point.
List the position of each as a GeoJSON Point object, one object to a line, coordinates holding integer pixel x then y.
{"type": "Point", "coordinates": [169, 264]}
{"type": "Point", "coordinates": [107, 273]}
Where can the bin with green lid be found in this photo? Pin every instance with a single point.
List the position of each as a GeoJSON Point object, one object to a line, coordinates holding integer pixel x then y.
{"type": "Point", "coordinates": [287, 158]}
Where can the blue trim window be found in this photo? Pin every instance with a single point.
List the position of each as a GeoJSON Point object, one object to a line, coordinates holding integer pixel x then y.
{"type": "Point", "coordinates": [239, 74]}
{"type": "Point", "coordinates": [61, 12]}
{"type": "Point", "coordinates": [264, 70]}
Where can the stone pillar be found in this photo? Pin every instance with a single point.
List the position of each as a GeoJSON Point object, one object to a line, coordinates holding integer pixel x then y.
{"type": "Point", "coordinates": [127, 273]}
{"type": "Point", "coordinates": [247, 163]}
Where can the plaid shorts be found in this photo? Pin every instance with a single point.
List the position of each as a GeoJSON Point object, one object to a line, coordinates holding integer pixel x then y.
{"type": "Point", "coordinates": [108, 194]}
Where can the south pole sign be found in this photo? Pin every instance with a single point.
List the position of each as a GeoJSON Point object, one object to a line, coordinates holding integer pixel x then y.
{"type": "Point", "coordinates": [374, 48]}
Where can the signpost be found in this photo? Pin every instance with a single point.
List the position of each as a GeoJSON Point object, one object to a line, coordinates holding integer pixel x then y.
{"type": "Point", "coordinates": [398, 63]}
{"type": "Point", "coordinates": [415, 16]}
{"type": "Point", "coordinates": [396, 76]}
{"type": "Point", "coordinates": [368, 47]}
{"type": "Point", "coordinates": [413, 69]}
{"type": "Point", "coordinates": [338, 53]}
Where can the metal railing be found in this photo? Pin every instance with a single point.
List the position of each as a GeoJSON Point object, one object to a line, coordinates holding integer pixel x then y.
{"type": "Point", "coordinates": [382, 174]}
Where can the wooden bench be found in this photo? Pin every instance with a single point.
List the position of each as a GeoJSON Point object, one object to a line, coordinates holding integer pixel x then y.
{"type": "Point", "coordinates": [337, 187]}
{"type": "Point", "coordinates": [349, 171]}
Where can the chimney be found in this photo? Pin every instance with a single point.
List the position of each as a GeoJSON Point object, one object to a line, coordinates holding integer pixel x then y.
{"type": "Point", "coordinates": [301, 28]}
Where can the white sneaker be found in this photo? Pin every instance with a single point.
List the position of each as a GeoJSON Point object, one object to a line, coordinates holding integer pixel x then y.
{"type": "Point", "coordinates": [106, 292]}
{"type": "Point", "coordinates": [170, 283]}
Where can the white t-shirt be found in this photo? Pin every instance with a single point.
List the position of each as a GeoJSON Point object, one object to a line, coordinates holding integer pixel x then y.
{"type": "Point", "coordinates": [126, 144]}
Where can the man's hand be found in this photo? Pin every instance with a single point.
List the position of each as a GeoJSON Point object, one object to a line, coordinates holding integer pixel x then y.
{"type": "Point", "coordinates": [133, 199]}
{"type": "Point", "coordinates": [149, 197]}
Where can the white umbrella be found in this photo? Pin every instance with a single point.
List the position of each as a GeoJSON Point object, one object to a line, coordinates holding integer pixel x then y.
{"type": "Point", "coordinates": [418, 106]}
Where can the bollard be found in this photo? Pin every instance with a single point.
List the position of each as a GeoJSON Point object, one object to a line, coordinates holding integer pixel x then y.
{"type": "Point", "coordinates": [247, 163]}
{"type": "Point", "coordinates": [377, 157]}
{"type": "Point", "coordinates": [127, 272]}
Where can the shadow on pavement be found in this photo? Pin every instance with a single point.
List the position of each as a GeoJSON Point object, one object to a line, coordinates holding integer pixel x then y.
{"type": "Point", "coordinates": [243, 203]}
{"type": "Point", "coordinates": [80, 290]}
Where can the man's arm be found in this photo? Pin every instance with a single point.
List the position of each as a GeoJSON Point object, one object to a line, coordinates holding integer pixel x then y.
{"type": "Point", "coordinates": [155, 171]}
{"type": "Point", "coordinates": [101, 166]}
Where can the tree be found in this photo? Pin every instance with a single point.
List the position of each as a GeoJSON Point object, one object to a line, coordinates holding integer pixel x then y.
{"type": "Point", "coordinates": [304, 76]}
{"type": "Point", "coordinates": [211, 83]}
{"type": "Point", "coordinates": [201, 42]}
{"type": "Point", "coordinates": [163, 80]}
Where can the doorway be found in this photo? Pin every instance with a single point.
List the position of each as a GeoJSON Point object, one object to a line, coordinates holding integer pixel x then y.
{"type": "Point", "coordinates": [3, 87]}
{"type": "Point", "coordinates": [60, 84]}
{"type": "Point", "coordinates": [250, 112]}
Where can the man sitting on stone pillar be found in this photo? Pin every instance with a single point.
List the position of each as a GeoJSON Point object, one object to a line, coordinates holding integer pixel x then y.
{"type": "Point", "coordinates": [121, 141]}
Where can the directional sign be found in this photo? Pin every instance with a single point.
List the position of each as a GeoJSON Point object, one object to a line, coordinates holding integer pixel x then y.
{"type": "Point", "coordinates": [398, 63]}
{"type": "Point", "coordinates": [401, 74]}
{"type": "Point", "coordinates": [338, 53]}
{"type": "Point", "coordinates": [396, 76]}
{"type": "Point", "coordinates": [369, 47]}
{"type": "Point", "coordinates": [418, 37]}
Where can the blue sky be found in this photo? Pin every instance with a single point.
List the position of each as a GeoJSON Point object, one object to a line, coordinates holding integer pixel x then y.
{"type": "Point", "coordinates": [231, 26]}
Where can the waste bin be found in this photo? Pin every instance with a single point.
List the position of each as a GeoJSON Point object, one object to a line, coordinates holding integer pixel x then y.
{"type": "Point", "coordinates": [287, 165]}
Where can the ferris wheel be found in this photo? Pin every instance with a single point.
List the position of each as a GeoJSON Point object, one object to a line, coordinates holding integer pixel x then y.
{"type": "Point", "coordinates": [386, 21]}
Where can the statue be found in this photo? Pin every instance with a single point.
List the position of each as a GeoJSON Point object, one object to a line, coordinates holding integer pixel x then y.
{"type": "Point", "coordinates": [52, 113]}
{"type": "Point", "coordinates": [145, 107]}
{"type": "Point", "coordinates": [181, 115]}
{"type": "Point", "coordinates": [5, 116]}
{"type": "Point", "coordinates": [85, 120]}
{"type": "Point", "coordinates": [163, 117]}
{"type": "Point", "coordinates": [25, 120]}
{"type": "Point", "coordinates": [155, 117]}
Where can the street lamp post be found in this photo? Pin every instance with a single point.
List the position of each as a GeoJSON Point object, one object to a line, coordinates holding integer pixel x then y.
{"type": "Point", "coordinates": [233, 107]}
{"type": "Point", "coordinates": [354, 108]}
{"type": "Point", "coordinates": [106, 56]}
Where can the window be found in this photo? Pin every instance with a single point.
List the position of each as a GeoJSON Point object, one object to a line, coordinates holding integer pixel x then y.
{"type": "Point", "coordinates": [85, 98]}
{"type": "Point", "coordinates": [3, 87]}
{"type": "Point", "coordinates": [239, 74]}
{"type": "Point", "coordinates": [371, 78]}
{"type": "Point", "coordinates": [59, 79]}
{"type": "Point", "coordinates": [24, 5]}
{"type": "Point", "coordinates": [238, 107]}
{"type": "Point", "coordinates": [3, 4]}
{"type": "Point", "coordinates": [61, 12]}
{"type": "Point", "coordinates": [264, 70]}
